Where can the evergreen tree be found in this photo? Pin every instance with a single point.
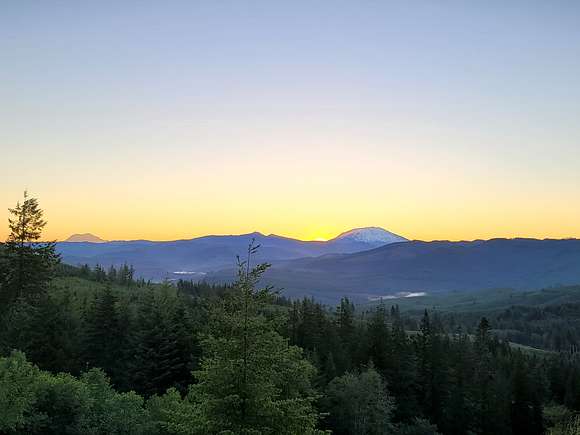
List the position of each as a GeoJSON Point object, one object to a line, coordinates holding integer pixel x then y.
{"type": "Point", "coordinates": [251, 381]}
{"type": "Point", "coordinates": [112, 274]}
{"type": "Point", "coordinates": [347, 333]}
{"type": "Point", "coordinates": [402, 375]}
{"type": "Point", "coordinates": [457, 409]}
{"type": "Point", "coordinates": [484, 374]}
{"type": "Point", "coordinates": [162, 345]}
{"type": "Point", "coordinates": [105, 335]}
{"type": "Point", "coordinates": [526, 410]}
{"type": "Point", "coordinates": [379, 340]}
{"type": "Point", "coordinates": [30, 264]}
{"type": "Point", "coordinates": [359, 404]}
{"type": "Point", "coordinates": [433, 369]}
{"type": "Point", "coordinates": [46, 329]}
{"type": "Point", "coordinates": [33, 402]}
{"type": "Point", "coordinates": [100, 274]}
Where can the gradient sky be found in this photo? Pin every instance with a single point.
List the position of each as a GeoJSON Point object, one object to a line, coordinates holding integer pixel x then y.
{"type": "Point", "coordinates": [164, 120]}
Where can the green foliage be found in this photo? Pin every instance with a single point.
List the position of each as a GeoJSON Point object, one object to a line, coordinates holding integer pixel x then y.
{"type": "Point", "coordinates": [174, 415]}
{"type": "Point", "coordinates": [570, 426]}
{"type": "Point", "coordinates": [30, 265]}
{"type": "Point", "coordinates": [557, 417]}
{"type": "Point", "coordinates": [482, 390]}
{"type": "Point", "coordinates": [419, 426]}
{"type": "Point", "coordinates": [359, 404]}
{"type": "Point", "coordinates": [36, 402]}
{"type": "Point", "coordinates": [546, 319]}
{"type": "Point", "coordinates": [162, 343]}
{"type": "Point", "coordinates": [46, 329]}
{"type": "Point", "coordinates": [123, 275]}
{"type": "Point", "coordinates": [260, 363]}
{"type": "Point", "coordinates": [17, 391]}
{"type": "Point", "coordinates": [109, 412]}
{"type": "Point", "coordinates": [105, 334]}
{"type": "Point", "coordinates": [251, 381]}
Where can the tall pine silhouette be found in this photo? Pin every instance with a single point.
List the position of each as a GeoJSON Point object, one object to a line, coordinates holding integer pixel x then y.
{"type": "Point", "coordinates": [30, 264]}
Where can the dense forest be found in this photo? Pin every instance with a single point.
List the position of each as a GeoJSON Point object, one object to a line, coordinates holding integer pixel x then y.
{"type": "Point", "coordinates": [95, 351]}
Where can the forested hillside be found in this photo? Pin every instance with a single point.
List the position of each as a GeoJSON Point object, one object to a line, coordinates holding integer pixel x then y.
{"type": "Point", "coordinates": [431, 267]}
{"type": "Point", "coordinates": [93, 351]}
{"type": "Point", "coordinates": [547, 319]}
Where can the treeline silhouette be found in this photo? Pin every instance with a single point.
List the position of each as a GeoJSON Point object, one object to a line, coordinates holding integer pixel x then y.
{"type": "Point", "coordinates": [551, 327]}
{"type": "Point", "coordinates": [123, 275]}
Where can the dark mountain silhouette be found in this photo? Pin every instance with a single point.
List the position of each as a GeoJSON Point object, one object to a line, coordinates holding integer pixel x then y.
{"type": "Point", "coordinates": [194, 258]}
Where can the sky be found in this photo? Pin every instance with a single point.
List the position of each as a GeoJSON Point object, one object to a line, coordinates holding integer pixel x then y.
{"type": "Point", "coordinates": [434, 119]}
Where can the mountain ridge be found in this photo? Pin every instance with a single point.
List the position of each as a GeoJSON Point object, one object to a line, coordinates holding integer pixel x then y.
{"type": "Point", "coordinates": [161, 260]}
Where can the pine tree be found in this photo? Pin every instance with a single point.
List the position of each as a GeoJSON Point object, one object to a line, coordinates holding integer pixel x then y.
{"type": "Point", "coordinates": [112, 274]}
{"type": "Point", "coordinates": [105, 335]}
{"type": "Point", "coordinates": [484, 374]}
{"type": "Point", "coordinates": [432, 369]}
{"type": "Point", "coordinates": [425, 369]}
{"type": "Point", "coordinates": [402, 376]}
{"type": "Point", "coordinates": [359, 404]}
{"type": "Point", "coordinates": [457, 409]}
{"type": "Point", "coordinates": [30, 264]}
{"type": "Point", "coordinates": [525, 410]}
{"type": "Point", "coordinates": [251, 381]}
{"type": "Point", "coordinates": [345, 319]}
{"type": "Point", "coordinates": [100, 274]}
{"type": "Point", "coordinates": [379, 340]}
{"type": "Point", "coordinates": [346, 332]}
{"type": "Point", "coordinates": [46, 330]}
{"type": "Point", "coordinates": [162, 345]}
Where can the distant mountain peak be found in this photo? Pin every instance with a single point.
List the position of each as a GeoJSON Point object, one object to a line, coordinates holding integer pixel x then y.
{"type": "Point", "coordinates": [86, 237]}
{"type": "Point", "coordinates": [374, 235]}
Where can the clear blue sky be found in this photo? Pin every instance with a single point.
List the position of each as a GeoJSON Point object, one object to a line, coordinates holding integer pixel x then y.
{"type": "Point", "coordinates": [434, 119]}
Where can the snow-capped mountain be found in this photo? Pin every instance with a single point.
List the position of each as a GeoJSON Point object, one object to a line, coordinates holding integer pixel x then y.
{"type": "Point", "coordinates": [371, 235]}
{"type": "Point", "coordinates": [86, 237]}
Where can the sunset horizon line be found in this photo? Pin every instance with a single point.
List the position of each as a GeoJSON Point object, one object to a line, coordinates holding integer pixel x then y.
{"type": "Point", "coordinates": [306, 239]}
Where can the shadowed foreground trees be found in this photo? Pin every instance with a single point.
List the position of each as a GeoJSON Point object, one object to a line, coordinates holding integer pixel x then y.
{"type": "Point", "coordinates": [251, 381]}
{"type": "Point", "coordinates": [36, 402]}
{"type": "Point", "coordinates": [359, 404]}
{"type": "Point", "coordinates": [29, 264]}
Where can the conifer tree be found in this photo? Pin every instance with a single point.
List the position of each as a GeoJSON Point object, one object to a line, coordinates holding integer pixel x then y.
{"type": "Point", "coordinates": [346, 331]}
{"type": "Point", "coordinates": [105, 335]}
{"type": "Point", "coordinates": [251, 381]}
{"type": "Point", "coordinates": [402, 376]}
{"type": "Point", "coordinates": [359, 404]}
{"type": "Point", "coordinates": [432, 368]}
{"type": "Point", "coordinates": [46, 330]}
{"type": "Point", "coordinates": [162, 345]}
{"type": "Point", "coordinates": [112, 274]}
{"type": "Point", "coordinates": [100, 274]}
{"type": "Point", "coordinates": [526, 411]}
{"type": "Point", "coordinates": [379, 339]}
{"type": "Point", "coordinates": [30, 264]}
